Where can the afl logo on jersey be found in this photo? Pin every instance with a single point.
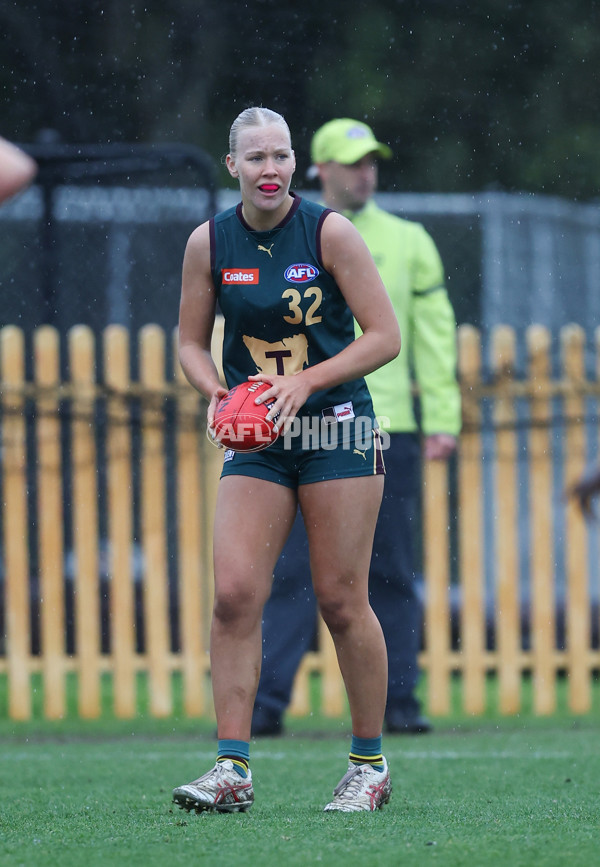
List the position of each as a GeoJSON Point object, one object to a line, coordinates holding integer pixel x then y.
{"type": "Point", "coordinates": [300, 273]}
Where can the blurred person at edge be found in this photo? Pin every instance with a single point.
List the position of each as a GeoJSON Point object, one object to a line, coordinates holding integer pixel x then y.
{"type": "Point", "coordinates": [344, 153]}
{"type": "Point", "coordinates": [584, 489]}
{"type": "Point", "coordinates": [17, 169]}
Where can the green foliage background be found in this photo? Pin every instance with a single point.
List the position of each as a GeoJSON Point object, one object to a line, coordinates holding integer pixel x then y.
{"type": "Point", "coordinates": [471, 96]}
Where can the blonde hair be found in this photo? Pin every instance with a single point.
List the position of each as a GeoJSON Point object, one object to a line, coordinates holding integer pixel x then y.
{"type": "Point", "coordinates": [255, 116]}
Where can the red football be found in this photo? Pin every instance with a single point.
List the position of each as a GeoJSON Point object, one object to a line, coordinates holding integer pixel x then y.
{"type": "Point", "coordinates": [240, 424]}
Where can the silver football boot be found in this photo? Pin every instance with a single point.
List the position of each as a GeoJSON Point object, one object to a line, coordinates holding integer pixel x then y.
{"type": "Point", "coordinates": [362, 788]}
{"type": "Point", "coordinates": [222, 790]}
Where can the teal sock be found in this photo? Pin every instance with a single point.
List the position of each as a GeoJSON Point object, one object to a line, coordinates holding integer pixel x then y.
{"type": "Point", "coordinates": [236, 751]}
{"type": "Point", "coordinates": [366, 751]}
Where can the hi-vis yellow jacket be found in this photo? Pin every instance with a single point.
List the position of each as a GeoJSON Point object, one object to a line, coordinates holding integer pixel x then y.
{"type": "Point", "coordinates": [413, 274]}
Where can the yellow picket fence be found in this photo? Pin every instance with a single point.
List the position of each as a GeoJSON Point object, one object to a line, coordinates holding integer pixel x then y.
{"type": "Point", "coordinates": [103, 463]}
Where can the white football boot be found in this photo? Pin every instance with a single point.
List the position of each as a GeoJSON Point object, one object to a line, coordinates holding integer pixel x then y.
{"type": "Point", "coordinates": [222, 790]}
{"type": "Point", "coordinates": [361, 788]}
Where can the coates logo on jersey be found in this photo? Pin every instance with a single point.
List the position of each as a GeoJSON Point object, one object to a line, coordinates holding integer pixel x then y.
{"type": "Point", "coordinates": [300, 273]}
{"type": "Point", "coordinates": [239, 275]}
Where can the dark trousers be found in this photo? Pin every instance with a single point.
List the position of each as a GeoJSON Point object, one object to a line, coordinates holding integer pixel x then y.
{"type": "Point", "coordinates": [289, 618]}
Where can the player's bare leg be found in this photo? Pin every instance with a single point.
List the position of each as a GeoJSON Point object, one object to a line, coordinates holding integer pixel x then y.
{"type": "Point", "coordinates": [340, 518]}
{"type": "Point", "coordinates": [253, 520]}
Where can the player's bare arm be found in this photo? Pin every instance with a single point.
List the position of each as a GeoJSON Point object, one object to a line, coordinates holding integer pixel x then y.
{"type": "Point", "coordinates": [197, 318]}
{"type": "Point", "coordinates": [347, 258]}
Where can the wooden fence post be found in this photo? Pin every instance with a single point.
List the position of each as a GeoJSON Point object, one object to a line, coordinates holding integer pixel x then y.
{"type": "Point", "coordinates": [470, 526]}
{"type": "Point", "coordinates": [437, 585]}
{"type": "Point", "coordinates": [50, 519]}
{"type": "Point", "coordinates": [119, 490]}
{"type": "Point", "coordinates": [543, 617]}
{"type": "Point", "coordinates": [153, 508]}
{"type": "Point", "coordinates": [85, 518]}
{"type": "Point", "coordinates": [15, 523]}
{"type": "Point", "coordinates": [506, 522]}
{"type": "Point", "coordinates": [578, 626]}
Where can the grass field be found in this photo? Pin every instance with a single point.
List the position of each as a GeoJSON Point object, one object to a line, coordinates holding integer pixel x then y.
{"type": "Point", "coordinates": [477, 791]}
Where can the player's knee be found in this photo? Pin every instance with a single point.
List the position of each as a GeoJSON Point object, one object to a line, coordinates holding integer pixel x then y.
{"type": "Point", "coordinates": [336, 613]}
{"type": "Point", "coordinates": [237, 604]}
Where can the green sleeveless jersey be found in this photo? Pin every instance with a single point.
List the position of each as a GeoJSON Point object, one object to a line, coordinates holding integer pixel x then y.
{"type": "Point", "coordinates": [283, 311]}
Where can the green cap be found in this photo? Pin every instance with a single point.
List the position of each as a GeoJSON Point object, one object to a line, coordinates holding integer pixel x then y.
{"type": "Point", "coordinates": [345, 141]}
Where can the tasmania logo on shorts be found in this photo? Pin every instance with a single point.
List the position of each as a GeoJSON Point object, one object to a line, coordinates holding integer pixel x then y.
{"type": "Point", "coordinates": [232, 276]}
{"type": "Point", "coordinates": [300, 273]}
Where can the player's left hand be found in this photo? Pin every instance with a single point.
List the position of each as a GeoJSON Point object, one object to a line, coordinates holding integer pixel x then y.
{"type": "Point", "coordinates": [289, 392]}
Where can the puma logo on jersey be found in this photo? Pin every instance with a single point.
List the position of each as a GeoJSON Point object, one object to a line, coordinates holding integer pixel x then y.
{"type": "Point", "coordinates": [362, 454]}
{"type": "Point", "coordinates": [267, 249]}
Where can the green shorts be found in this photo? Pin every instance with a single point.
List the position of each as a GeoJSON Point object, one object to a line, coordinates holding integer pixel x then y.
{"type": "Point", "coordinates": [294, 467]}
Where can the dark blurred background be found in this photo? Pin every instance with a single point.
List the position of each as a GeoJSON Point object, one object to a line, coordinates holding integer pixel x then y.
{"type": "Point", "coordinates": [490, 108]}
{"type": "Point", "coordinates": [471, 96]}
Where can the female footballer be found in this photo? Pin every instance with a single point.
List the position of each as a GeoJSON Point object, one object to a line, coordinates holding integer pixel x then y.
{"type": "Point", "coordinates": [289, 277]}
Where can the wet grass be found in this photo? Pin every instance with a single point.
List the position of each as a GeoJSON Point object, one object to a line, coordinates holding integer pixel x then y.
{"type": "Point", "coordinates": [477, 791]}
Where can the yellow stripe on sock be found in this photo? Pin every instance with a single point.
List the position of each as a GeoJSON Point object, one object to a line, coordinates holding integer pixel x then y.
{"type": "Point", "coordinates": [367, 760]}
{"type": "Point", "coordinates": [241, 763]}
